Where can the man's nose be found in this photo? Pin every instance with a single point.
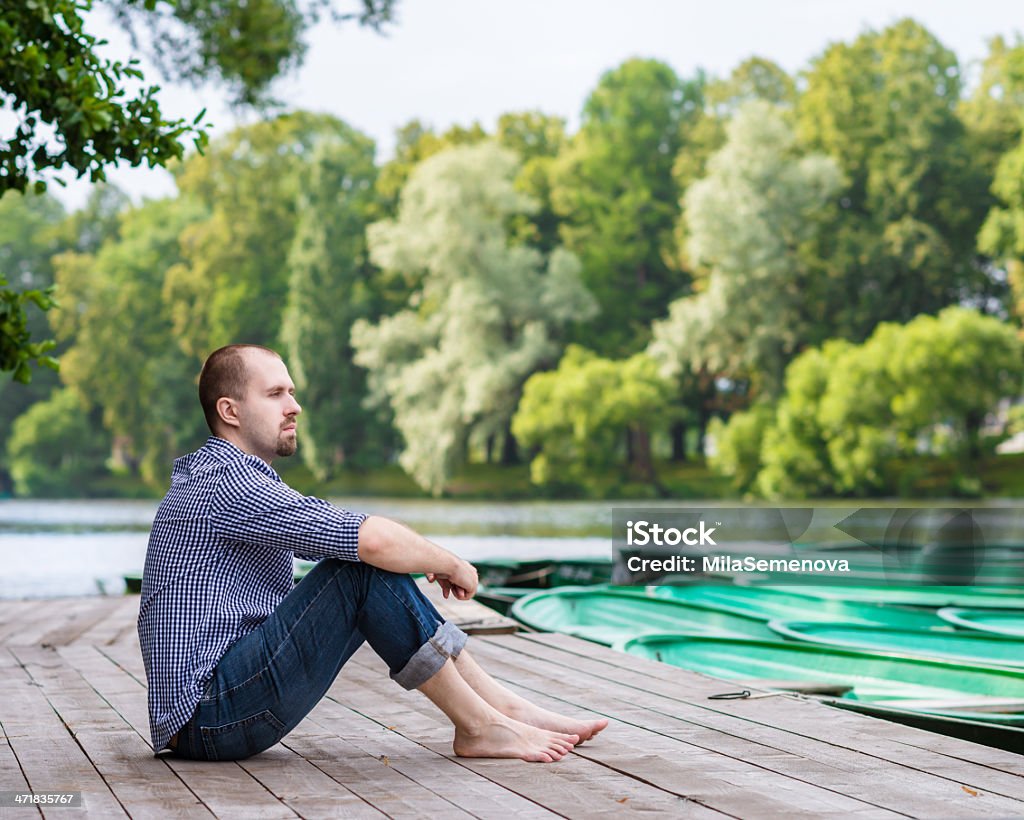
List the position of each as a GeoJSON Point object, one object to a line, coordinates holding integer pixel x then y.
{"type": "Point", "coordinates": [295, 408]}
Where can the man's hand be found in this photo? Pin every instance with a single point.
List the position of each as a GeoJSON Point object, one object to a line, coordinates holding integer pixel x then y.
{"type": "Point", "coordinates": [462, 580]}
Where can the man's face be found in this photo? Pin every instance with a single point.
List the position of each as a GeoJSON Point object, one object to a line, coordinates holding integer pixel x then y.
{"type": "Point", "coordinates": [268, 411]}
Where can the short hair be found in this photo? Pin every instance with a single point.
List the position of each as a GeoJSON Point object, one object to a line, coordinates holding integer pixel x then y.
{"type": "Point", "coordinates": [225, 373]}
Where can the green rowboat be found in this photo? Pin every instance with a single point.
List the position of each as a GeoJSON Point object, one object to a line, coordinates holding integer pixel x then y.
{"type": "Point", "coordinates": [500, 599]}
{"type": "Point", "coordinates": [607, 615]}
{"type": "Point", "coordinates": [770, 604]}
{"type": "Point", "coordinates": [999, 621]}
{"type": "Point", "coordinates": [996, 597]}
{"type": "Point", "coordinates": [990, 694]}
{"type": "Point", "coordinates": [965, 647]}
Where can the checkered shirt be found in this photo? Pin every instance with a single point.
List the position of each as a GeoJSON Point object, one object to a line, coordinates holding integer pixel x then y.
{"type": "Point", "coordinates": [219, 562]}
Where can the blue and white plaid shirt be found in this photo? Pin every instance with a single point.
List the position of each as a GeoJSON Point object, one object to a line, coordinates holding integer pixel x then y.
{"type": "Point", "coordinates": [219, 562]}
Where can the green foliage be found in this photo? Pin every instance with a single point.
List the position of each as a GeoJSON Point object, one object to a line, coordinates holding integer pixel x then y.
{"type": "Point", "coordinates": [55, 83]}
{"type": "Point", "coordinates": [992, 113]}
{"type": "Point", "coordinates": [747, 222]}
{"type": "Point", "coordinates": [56, 448]}
{"type": "Point", "coordinates": [854, 415]}
{"type": "Point", "coordinates": [793, 458]}
{"type": "Point", "coordinates": [484, 316]}
{"type": "Point", "coordinates": [613, 189]}
{"type": "Point", "coordinates": [143, 390]}
{"type": "Point", "coordinates": [245, 44]}
{"type": "Point", "coordinates": [330, 287]}
{"type": "Point", "coordinates": [577, 416]}
{"type": "Point", "coordinates": [232, 282]}
{"type": "Point", "coordinates": [17, 351]}
{"type": "Point", "coordinates": [901, 240]}
{"type": "Point", "coordinates": [53, 76]}
{"type": "Point", "coordinates": [28, 239]}
{"type": "Point", "coordinates": [737, 445]}
{"type": "Point", "coordinates": [1002, 235]}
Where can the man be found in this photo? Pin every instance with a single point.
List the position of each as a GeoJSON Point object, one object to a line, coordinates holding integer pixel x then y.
{"type": "Point", "coordinates": [236, 657]}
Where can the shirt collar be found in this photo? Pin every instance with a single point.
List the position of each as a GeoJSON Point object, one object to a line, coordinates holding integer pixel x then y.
{"type": "Point", "coordinates": [225, 449]}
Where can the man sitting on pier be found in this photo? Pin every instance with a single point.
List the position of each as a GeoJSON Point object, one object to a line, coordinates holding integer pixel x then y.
{"type": "Point", "coordinates": [236, 656]}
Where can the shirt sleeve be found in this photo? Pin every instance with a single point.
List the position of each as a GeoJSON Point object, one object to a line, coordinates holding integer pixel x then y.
{"type": "Point", "coordinates": [254, 508]}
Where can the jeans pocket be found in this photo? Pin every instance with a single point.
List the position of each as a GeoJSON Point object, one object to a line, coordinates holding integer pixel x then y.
{"type": "Point", "coordinates": [242, 738]}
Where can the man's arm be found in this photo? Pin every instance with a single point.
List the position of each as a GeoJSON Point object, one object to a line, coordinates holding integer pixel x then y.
{"type": "Point", "coordinates": [388, 545]}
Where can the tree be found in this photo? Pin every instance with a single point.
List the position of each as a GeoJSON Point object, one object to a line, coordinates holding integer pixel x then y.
{"type": "Point", "coordinates": [992, 113]}
{"type": "Point", "coordinates": [231, 285]}
{"type": "Point", "coordinates": [329, 288]}
{"type": "Point", "coordinates": [144, 390]}
{"type": "Point", "coordinates": [737, 452]}
{"type": "Point", "coordinates": [747, 222]}
{"type": "Point", "coordinates": [244, 44]}
{"type": "Point", "coordinates": [57, 448]}
{"type": "Point", "coordinates": [1002, 235]}
{"type": "Point", "coordinates": [753, 79]}
{"type": "Point", "coordinates": [901, 239]}
{"type": "Point", "coordinates": [485, 315]}
{"type": "Point", "coordinates": [590, 414]}
{"type": "Point", "coordinates": [72, 111]}
{"type": "Point", "coordinates": [30, 234]}
{"type": "Point", "coordinates": [614, 191]}
{"type": "Point", "coordinates": [537, 139]}
{"type": "Point", "coordinates": [853, 414]}
{"type": "Point", "coordinates": [792, 459]}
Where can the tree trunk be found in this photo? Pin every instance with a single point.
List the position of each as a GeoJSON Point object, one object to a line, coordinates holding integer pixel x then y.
{"type": "Point", "coordinates": [509, 448]}
{"type": "Point", "coordinates": [641, 462]}
{"type": "Point", "coordinates": [678, 433]}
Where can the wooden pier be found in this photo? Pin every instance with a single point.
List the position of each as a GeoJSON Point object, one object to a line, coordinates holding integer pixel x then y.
{"type": "Point", "coordinates": [73, 717]}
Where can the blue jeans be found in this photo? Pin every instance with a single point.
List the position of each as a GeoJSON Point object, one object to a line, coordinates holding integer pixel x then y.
{"type": "Point", "coordinates": [271, 678]}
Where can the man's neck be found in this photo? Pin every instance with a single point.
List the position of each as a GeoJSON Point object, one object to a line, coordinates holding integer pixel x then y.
{"type": "Point", "coordinates": [233, 438]}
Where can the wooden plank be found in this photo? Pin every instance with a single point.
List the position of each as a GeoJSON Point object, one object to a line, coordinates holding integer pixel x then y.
{"type": "Point", "coordinates": [373, 779]}
{"type": "Point", "coordinates": [850, 773]}
{"type": "Point", "coordinates": [117, 626]}
{"type": "Point", "coordinates": [144, 785]}
{"type": "Point", "coordinates": [573, 786]}
{"type": "Point", "coordinates": [414, 776]}
{"type": "Point", "coordinates": [225, 788]}
{"type": "Point", "coordinates": [11, 776]}
{"type": "Point", "coordinates": [23, 616]}
{"type": "Point", "coordinates": [991, 770]}
{"type": "Point", "coordinates": [46, 749]}
{"type": "Point", "coordinates": [704, 775]}
{"type": "Point", "coordinates": [304, 789]}
{"type": "Point", "coordinates": [77, 618]}
{"type": "Point", "coordinates": [434, 772]}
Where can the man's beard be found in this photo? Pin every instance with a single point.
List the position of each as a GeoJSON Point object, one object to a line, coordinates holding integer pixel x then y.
{"type": "Point", "coordinates": [287, 446]}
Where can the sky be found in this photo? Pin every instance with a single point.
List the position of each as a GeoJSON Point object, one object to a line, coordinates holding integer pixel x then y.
{"type": "Point", "coordinates": [460, 61]}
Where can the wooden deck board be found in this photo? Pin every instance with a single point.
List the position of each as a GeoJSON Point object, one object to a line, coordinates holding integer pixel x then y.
{"type": "Point", "coordinates": [44, 744]}
{"type": "Point", "coordinates": [673, 771]}
{"type": "Point", "coordinates": [803, 759]}
{"type": "Point", "coordinates": [988, 768]}
{"type": "Point", "coordinates": [73, 714]}
{"type": "Point", "coordinates": [575, 786]}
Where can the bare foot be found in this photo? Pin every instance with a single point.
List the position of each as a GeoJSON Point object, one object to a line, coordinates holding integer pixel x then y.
{"type": "Point", "coordinates": [525, 712]}
{"type": "Point", "coordinates": [509, 738]}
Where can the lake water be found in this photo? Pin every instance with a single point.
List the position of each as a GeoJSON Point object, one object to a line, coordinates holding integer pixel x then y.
{"type": "Point", "coordinates": [56, 548]}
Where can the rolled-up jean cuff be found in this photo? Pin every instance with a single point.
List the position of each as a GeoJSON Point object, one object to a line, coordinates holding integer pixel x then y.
{"type": "Point", "coordinates": [446, 643]}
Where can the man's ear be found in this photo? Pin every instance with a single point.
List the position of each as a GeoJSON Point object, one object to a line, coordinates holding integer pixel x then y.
{"type": "Point", "coordinates": [227, 411]}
